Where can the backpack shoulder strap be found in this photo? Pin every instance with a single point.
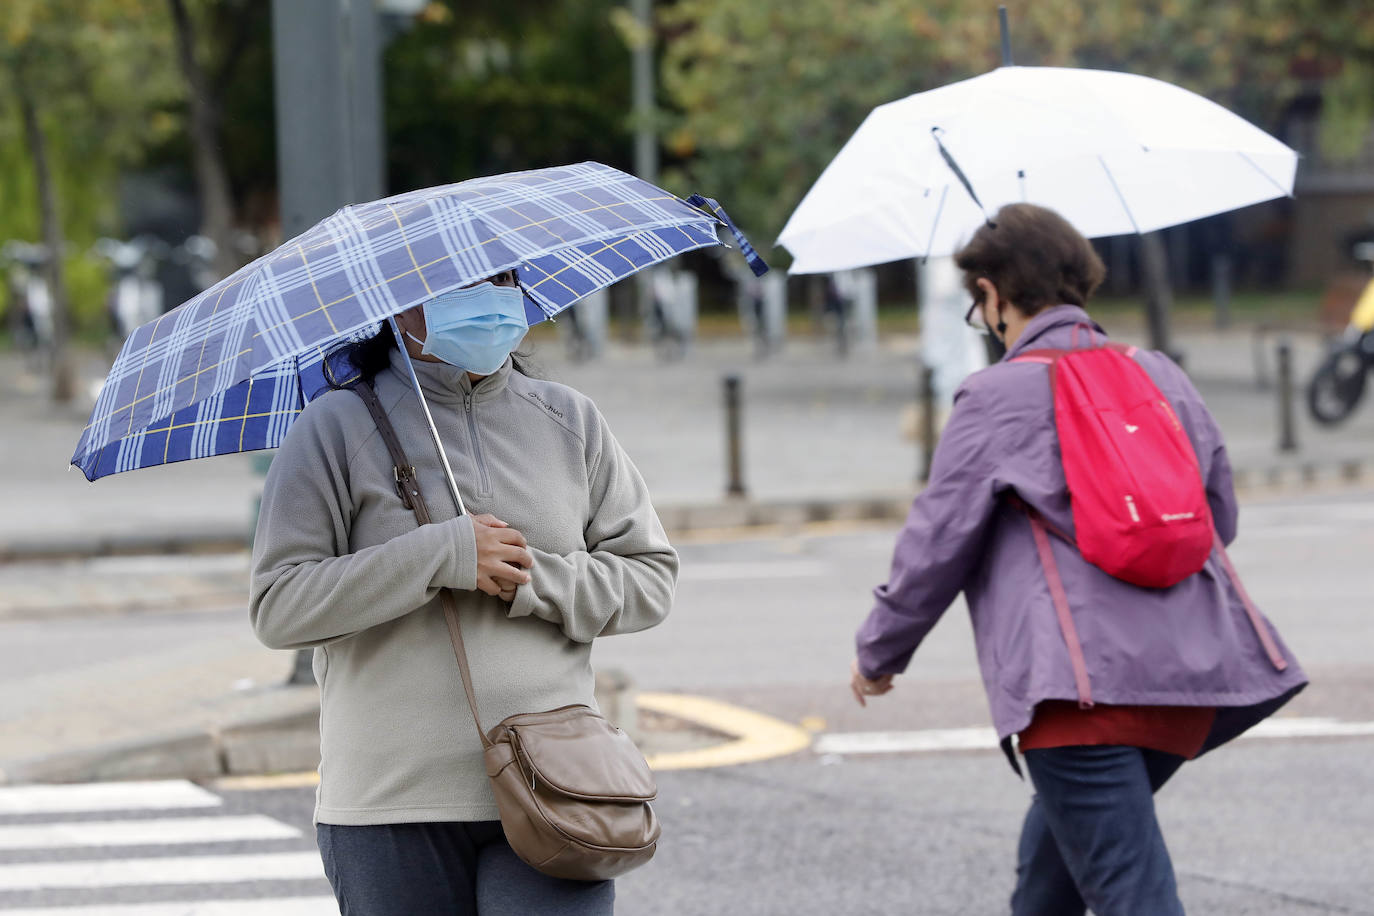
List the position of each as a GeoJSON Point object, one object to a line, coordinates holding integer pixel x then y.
{"type": "Point", "coordinates": [408, 488]}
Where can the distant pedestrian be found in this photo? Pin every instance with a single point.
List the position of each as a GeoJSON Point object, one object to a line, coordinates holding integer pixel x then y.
{"type": "Point", "coordinates": [1108, 686]}
{"type": "Point", "coordinates": [561, 545]}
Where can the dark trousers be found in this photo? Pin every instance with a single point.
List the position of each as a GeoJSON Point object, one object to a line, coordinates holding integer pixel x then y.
{"type": "Point", "coordinates": [446, 868]}
{"type": "Point", "coordinates": [1091, 838]}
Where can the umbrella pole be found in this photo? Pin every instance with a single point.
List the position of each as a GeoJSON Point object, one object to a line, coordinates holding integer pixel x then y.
{"type": "Point", "coordinates": [429, 418]}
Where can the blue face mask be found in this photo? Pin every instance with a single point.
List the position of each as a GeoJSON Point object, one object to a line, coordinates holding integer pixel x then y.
{"type": "Point", "coordinates": [475, 328]}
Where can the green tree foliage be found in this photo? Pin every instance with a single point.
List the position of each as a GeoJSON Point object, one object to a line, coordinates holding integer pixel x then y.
{"type": "Point", "coordinates": [766, 91]}
{"type": "Point", "coordinates": [76, 77]}
{"type": "Point", "coordinates": [475, 88]}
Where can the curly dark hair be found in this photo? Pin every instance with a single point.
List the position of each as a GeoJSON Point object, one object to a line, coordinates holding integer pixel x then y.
{"type": "Point", "coordinates": [1034, 258]}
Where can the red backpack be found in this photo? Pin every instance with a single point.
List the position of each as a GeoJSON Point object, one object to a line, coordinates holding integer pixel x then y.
{"type": "Point", "coordinates": [1140, 512]}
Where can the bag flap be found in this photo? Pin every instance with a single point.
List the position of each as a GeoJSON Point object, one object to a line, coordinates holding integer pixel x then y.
{"type": "Point", "coordinates": [580, 754]}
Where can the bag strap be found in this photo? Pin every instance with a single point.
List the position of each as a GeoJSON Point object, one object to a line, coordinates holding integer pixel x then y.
{"type": "Point", "coordinates": [1061, 606]}
{"type": "Point", "coordinates": [1256, 620]}
{"type": "Point", "coordinates": [408, 488]}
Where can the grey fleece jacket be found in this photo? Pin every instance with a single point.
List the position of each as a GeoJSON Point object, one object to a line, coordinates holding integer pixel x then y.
{"type": "Point", "coordinates": [340, 565]}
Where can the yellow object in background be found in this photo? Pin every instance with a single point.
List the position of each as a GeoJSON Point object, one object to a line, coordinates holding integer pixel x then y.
{"type": "Point", "coordinates": [1362, 316]}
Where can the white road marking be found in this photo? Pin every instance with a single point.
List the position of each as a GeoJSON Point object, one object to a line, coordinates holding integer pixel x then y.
{"type": "Point", "coordinates": [966, 739]}
{"type": "Point", "coordinates": [104, 796]}
{"type": "Point", "coordinates": [720, 572]}
{"type": "Point", "coordinates": [284, 866]}
{"type": "Point", "coordinates": [278, 906]}
{"type": "Point", "coordinates": [934, 739]}
{"type": "Point", "coordinates": [158, 832]}
{"type": "Point", "coordinates": [1282, 727]}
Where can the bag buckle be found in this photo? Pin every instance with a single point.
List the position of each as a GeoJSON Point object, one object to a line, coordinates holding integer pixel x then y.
{"type": "Point", "coordinates": [403, 487]}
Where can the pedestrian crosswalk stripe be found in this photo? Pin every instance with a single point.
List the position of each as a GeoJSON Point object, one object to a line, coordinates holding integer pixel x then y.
{"type": "Point", "coordinates": [278, 906]}
{"type": "Point", "coordinates": [104, 796]}
{"type": "Point", "coordinates": [285, 866]}
{"type": "Point", "coordinates": [153, 832]}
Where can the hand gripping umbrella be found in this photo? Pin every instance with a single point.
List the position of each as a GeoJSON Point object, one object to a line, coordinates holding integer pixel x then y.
{"type": "Point", "coordinates": [229, 370]}
{"type": "Point", "coordinates": [1113, 153]}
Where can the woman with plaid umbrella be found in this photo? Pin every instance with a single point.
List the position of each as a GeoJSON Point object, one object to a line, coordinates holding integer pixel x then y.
{"type": "Point", "coordinates": [560, 545]}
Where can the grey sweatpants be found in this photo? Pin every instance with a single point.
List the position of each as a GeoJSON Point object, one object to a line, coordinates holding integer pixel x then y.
{"type": "Point", "coordinates": [459, 868]}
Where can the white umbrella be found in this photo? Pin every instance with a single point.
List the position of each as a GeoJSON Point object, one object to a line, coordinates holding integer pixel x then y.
{"type": "Point", "coordinates": [1114, 153]}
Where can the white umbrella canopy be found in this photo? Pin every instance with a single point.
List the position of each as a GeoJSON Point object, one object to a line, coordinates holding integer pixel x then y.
{"type": "Point", "coordinates": [1112, 152]}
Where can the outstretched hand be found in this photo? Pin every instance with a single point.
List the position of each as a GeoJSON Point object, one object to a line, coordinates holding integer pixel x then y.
{"type": "Point", "coordinates": [866, 687]}
{"type": "Point", "coordinates": [503, 557]}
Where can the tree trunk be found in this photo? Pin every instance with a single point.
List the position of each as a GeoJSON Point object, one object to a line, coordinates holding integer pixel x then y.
{"type": "Point", "coordinates": [63, 376]}
{"type": "Point", "coordinates": [212, 177]}
{"type": "Point", "coordinates": [1159, 297]}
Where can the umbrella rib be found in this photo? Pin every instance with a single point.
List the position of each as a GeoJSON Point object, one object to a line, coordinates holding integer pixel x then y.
{"type": "Point", "coordinates": [424, 404]}
{"type": "Point", "coordinates": [1119, 196]}
{"type": "Point", "coordinates": [934, 223]}
{"type": "Point", "coordinates": [1282, 190]}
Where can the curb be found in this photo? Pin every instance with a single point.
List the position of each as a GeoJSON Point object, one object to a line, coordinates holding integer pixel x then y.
{"type": "Point", "coordinates": [1280, 477]}
{"type": "Point", "coordinates": [677, 520]}
{"type": "Point", "coordinates": [279, 742]}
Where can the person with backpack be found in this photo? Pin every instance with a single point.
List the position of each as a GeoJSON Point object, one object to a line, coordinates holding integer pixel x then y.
{"type": "Point", "coordinates": [1081, 498]}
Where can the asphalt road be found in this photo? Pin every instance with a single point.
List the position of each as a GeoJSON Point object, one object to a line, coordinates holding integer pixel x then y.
{"type": "Point", "coordinates": [1275, 826]}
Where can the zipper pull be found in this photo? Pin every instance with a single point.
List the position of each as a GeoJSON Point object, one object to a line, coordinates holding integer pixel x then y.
{"type": "Point", "coordinates": [467, 403]}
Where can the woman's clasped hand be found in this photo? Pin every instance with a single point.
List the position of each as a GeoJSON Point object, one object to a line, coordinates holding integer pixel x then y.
{"type": "Point", "coordinates": [503, 557]}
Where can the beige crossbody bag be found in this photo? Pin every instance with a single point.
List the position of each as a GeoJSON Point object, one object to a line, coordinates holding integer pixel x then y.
{"type": "Point", "coordinates": [572, 789]}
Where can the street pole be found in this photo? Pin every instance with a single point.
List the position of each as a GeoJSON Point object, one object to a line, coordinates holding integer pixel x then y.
{"type": "Point", "coordinates": [1288, 439]}
{"type": "Point", "coordinates": [646, 138]}
{"type": "Point", "coordinates": [928, 435]}
{"type": "Point", "coordinates": [327, 64]}
{"type": "Point", "coordinates": [734, 436]}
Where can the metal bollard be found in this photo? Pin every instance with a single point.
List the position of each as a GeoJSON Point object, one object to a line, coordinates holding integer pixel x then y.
{"type": "Point", "coordinates": [734, 449]}
{"type": "Point", "coordinates": [927, 422]}
{"type": "Point", "coordinates": [1288, 440]}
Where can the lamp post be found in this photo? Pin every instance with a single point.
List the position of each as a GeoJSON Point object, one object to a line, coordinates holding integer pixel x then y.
{"type": "Point", "coordinates": [330, 149]}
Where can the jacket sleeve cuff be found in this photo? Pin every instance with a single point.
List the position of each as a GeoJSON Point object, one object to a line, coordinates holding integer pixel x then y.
{"type": "Point", "coordinates": [525, 601]}
{"type": "Point", "coordinates": [462, 570]}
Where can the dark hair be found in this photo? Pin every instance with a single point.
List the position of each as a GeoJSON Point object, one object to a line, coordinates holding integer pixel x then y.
{"type": "Point", "coordinates": [1034, 258]}
{"type": "Point", "coordinates": [363, 359]}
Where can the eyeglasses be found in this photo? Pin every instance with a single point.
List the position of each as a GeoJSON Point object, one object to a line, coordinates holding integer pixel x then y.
{"type": "Point", "coordinates": [974, 317]}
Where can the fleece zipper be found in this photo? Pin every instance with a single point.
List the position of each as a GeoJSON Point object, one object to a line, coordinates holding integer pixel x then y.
{"type": "Point", "coordinates": [483, 482]}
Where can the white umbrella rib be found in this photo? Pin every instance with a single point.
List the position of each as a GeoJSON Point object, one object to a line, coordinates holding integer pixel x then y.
{"type": "Point", "coordinates": [1119, 196]}
{"type": "Point", "coordinates": [1270, 178]}
{"type": "Point", "coordinates": [935, 223]}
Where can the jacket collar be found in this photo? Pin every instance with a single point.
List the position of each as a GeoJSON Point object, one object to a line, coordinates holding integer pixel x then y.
{"type": "Point", "coordinates": [443, 382]}
{"type": "Point", "coordinates": [1045, 322]}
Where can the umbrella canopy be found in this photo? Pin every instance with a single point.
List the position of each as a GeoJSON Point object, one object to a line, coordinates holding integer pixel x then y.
{"type": "Point", "coordinates": [1112, 152]}
{"type": "Point", "coordinates": [229, 370]}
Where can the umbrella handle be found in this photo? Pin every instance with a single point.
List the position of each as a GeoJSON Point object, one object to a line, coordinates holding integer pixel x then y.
{"type": "Point", "coordinates": [429, 418]}
{"type": "Point", "coordinates": [756, 263]}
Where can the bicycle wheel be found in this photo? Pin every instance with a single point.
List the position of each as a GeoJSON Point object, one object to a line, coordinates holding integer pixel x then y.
{"type": "Point", "coordinates": [1337, 386]}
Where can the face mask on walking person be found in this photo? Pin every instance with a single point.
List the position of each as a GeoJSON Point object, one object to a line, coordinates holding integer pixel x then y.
{"type": "Point", "coordinates": [475, 328]}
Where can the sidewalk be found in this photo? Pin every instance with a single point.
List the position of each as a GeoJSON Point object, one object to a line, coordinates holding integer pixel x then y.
{"type": "Point", "coordinates": [821, 438]}
{"type": "Point", "coordinates": [80, 699]}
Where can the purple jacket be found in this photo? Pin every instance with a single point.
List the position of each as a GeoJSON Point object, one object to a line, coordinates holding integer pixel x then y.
{"type": "Point", "coordinates": [1189, 645]}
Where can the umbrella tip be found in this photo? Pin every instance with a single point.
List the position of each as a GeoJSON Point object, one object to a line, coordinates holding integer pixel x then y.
{"type": "Point", "coordinates": [1006, 35]}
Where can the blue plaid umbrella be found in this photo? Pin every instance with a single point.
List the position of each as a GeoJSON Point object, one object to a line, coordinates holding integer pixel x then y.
{"type": "Point", "coordinates": [229, 370]}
